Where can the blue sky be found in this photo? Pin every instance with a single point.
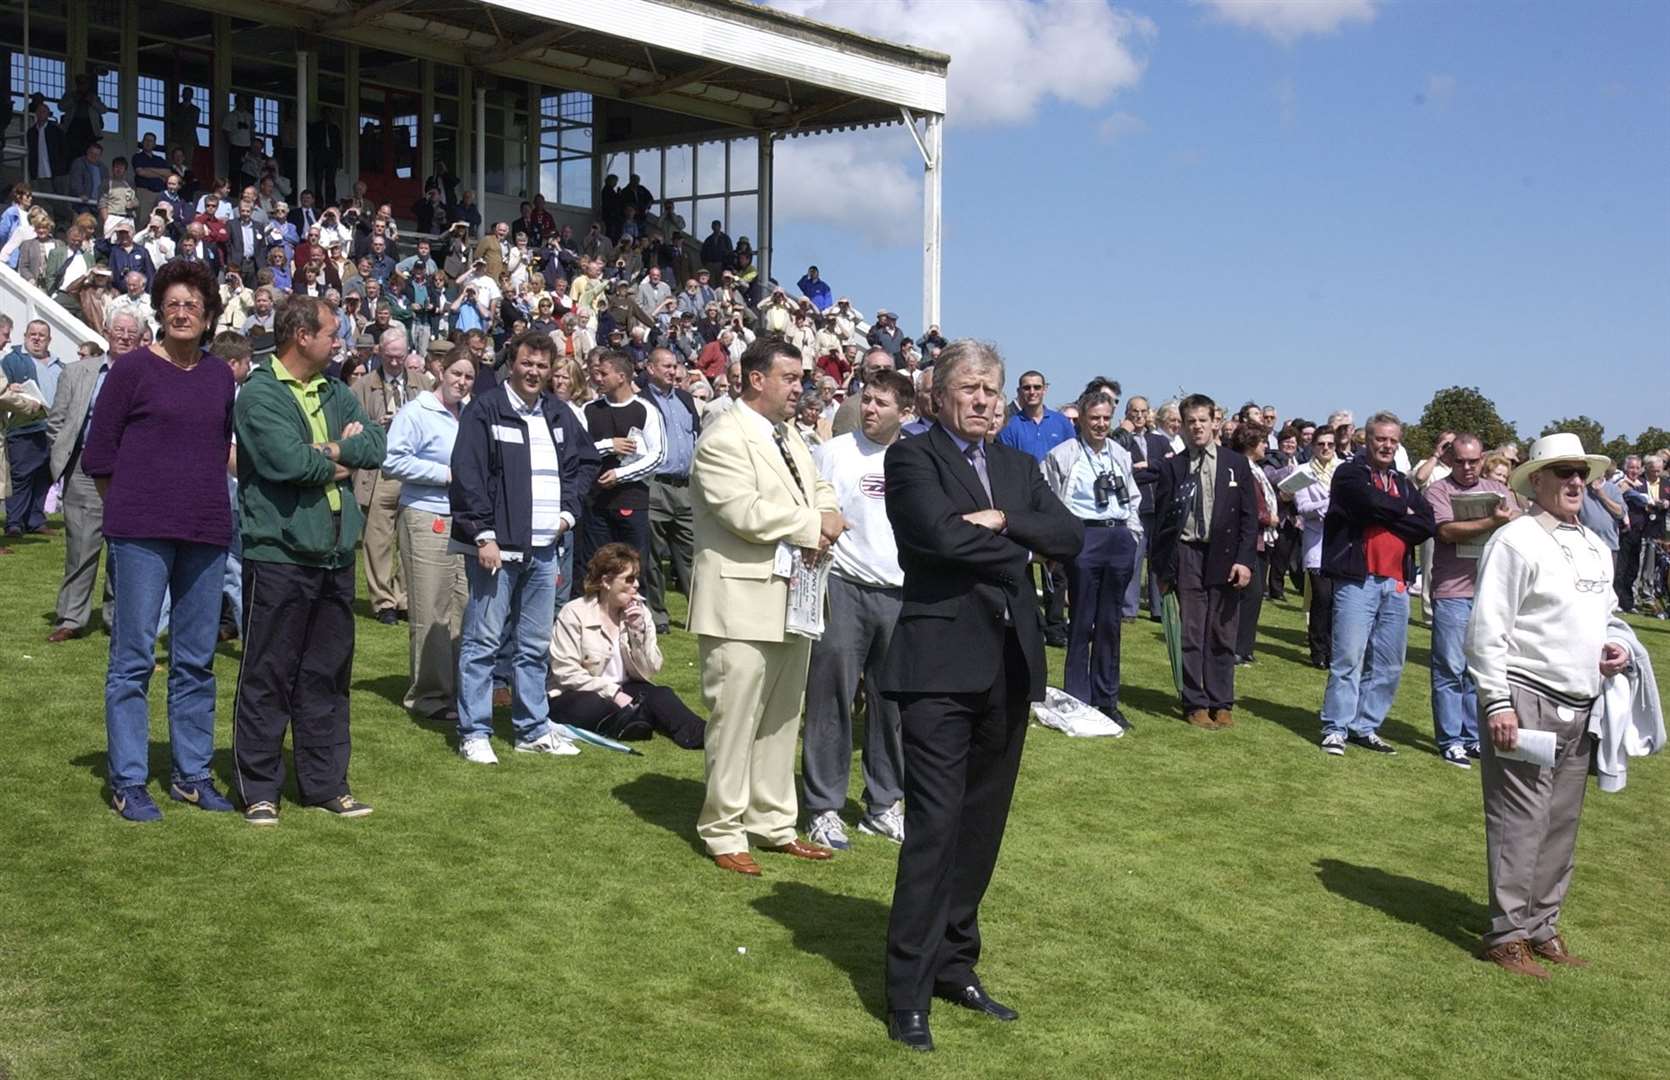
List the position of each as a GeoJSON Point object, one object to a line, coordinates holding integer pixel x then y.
{"type": "Point", "coordinates": [1319, 203]}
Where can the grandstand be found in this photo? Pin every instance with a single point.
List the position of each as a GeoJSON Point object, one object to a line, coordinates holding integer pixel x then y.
{"type": "Point", "coordinates": [513, 98]}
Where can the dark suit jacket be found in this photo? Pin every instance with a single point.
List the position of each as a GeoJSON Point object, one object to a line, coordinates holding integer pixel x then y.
{"type": "Point", "coordinates": [1232, 534]}
{"type": "Point", "coordinates": [1354, 503]}
{"type": "Point", "coordinates": [1154, 449]}
{"type": "Point", "coordinates": [248, 263]}
{"type": "Point", "coordinates": [961, 578]}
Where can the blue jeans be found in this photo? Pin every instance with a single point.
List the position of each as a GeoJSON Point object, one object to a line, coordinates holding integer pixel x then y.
{"type": "Point", "coordinates": [1371, 618]}
{"type": "Point", "coordinates": [143, 571]}
{"type": "Point", "coordinates": [1455, 701]}
{"type": "Point", "coordinates": [529, 588]}
{"type": "Point", "coordinates": [506, 657]}
{"type": "Point", "coordinates": [233, 586]}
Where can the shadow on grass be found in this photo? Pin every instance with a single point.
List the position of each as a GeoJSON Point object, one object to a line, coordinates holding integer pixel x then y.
{"type": "Point", "coordinates": [1453, 916]}
{"type": "Point", "coordinates": [160, 765]}
{"type": "Point", "coordinates": [1298, 719]}
{"type": "Point", "coordinates": [847, 931]}
{"type": "Point", "coordinates": [669, 802]}
{"type": "Point", "coordinates": [392, 689]}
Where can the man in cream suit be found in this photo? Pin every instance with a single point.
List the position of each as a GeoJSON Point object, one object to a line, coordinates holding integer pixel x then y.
{"type": "Point", "coordinates": [753, 485]}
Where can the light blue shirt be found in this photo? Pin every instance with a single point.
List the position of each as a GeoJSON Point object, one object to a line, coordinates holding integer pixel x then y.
{"type": "Point", "coordinates": [680, 429]}
{"type": "Point", "coordinates": [1081, 484]}
{"type": "Point", "coordinates": [419, 453]}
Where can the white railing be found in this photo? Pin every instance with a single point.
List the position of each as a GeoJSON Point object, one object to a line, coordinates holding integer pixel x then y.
{"type": "Point", "coordinates": [24, 303]}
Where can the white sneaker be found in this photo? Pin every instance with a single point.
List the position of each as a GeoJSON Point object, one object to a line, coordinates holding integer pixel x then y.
{"type": "Point", "coordinates": [552, 742]}
{"type": "Point", "coordinates": [889, 824]}
{"type": "Point", "coordinates": [827, 830]}
{"type": "Point", "coordinates": [478, 751]}
{"type": "Point", "coordinates": [1333, 743]}
{"type": "Point", "coordinates": [1457, 756]}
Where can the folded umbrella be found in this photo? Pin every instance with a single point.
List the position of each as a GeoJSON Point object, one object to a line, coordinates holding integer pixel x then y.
{"type": "Point", "coordinates": [587, 735]}
{"type": "Point", "coordinates": [1171, 623]}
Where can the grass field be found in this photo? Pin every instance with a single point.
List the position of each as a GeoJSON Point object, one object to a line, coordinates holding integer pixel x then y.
{"type": "Point", "coordinates": [1174, 903]}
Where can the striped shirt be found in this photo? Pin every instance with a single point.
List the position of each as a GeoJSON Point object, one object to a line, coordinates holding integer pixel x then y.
{"type": "Point", "coordinates": [545, 470]}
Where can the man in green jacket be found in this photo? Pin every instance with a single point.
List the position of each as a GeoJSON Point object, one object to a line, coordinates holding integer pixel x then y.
{"type": "Point", "coordinates": [300, 435]}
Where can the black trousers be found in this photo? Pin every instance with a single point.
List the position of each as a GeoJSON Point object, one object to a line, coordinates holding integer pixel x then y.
{"type": "Point", "coordinates": [1054, 601]}
{"type": "Point", "coordinates": [660, 705]}
{"type": "Point", "coordinates": [962, 752]}
{"type": "Point", "coordinates": [1280, 563]}
{"type": "Point", "coordinates": [1252, 602]}
{"type": "Point", "coordinates": [298, 636]}
{"type": "Point", "coordinates": [1321, 629]}
{"type": "Point", "coordinates": [1210, 614]}
{"type": "Point", "coordinates": [1623, 580]}
{"type": "Point", "coordinates": [600, 527]}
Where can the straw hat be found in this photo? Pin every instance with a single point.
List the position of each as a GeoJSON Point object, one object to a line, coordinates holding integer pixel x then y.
{"type": "Point", "coordinates": [1560, 447]}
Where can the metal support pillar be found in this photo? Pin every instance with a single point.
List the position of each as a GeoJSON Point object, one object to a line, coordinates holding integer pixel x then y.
{"type": "Point", "coordinates": [351, 117]}
{"type": "Point", "coordinates": [762, 247]}
{"type": "Point", "coordinates": [220, 90]}
{"type": "Point", "coordinates": [481, 152]}
{"type": "Point", "coordinates": [75, 45]}
{"type": "Point", "coordinates": [931, 142]}
{"type": "Point", "coordinates": [463, 146]}
{"type": "Point", "coordinates": [426, 120]}
{"type": "Point", "coordinates": [128, 79]}
{"type": "Point", "coordinates": [303, 102]}
{"type": "Point", "coordinates": [531, 155]}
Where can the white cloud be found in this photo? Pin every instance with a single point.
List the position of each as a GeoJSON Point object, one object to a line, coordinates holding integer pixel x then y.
{"type": "Point", "coordinates": [1007, 56]}
{"type": "Point", "coordinates": [1287, 21]}
{"type": "Point", "coordinates": [858, 180]}
{"type": "Point", "coordinates": [1439, 90]}
{"type": "Point", "coordinates": [1121, 124]}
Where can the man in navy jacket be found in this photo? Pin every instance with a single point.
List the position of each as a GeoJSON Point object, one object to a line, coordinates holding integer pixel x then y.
{"type": "Point", "coordinates": [1376, 519]}
{"type": "Point", "coordinates": [521, 468]}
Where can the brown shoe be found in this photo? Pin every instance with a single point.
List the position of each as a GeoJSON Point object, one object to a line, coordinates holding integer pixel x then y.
{"type": "Point", "coordinates": [800, 849]}
{"type": "Point", "coordinates": [1199, 718]}
{"type": "Point", "coordinates": [740, 863]}
{"type": "Point", "coordinates": [501, 698]}
{"type": "Point", "coordinates": [1222, 718]}
{"type": "Point", "coordinates": [1554, 951]}
{"type": "Point", "coordinates": [63, 634]}
{"type": "Point", "coordinates": [1515, 956]}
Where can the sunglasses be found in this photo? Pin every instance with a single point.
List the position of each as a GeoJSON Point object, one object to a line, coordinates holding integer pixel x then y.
{"type": "Point", "coordinates": [1566, 472]}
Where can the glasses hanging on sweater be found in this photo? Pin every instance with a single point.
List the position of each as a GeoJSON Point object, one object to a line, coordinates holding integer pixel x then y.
{"type": "Point", "coordinates": [1584, 585]}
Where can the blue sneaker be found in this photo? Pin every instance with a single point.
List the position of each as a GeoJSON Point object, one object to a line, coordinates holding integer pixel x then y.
{"type": "Point", "coordinates": [201, 794]}
{"type": "Point", "coordinates": [135, 804]}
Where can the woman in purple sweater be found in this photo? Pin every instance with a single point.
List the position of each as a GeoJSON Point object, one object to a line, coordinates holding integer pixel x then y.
{"type": "Point", "coordinates": [157, 447]}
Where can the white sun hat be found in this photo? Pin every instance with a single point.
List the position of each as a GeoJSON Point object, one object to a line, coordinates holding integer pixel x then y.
{"type": "Point", "coordinates": [1562, 446]}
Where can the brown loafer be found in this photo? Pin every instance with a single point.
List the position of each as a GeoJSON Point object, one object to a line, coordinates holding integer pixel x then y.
{"type": "Point", "coordinates": [800, 849]}
{"type": "Point", "coordinates": [63, 634]}
{"type": "Point", "coordinates": [1199, 718]}
{"type": "Point", "coordinates": [739, 863]}
{"type": "Point", "coordinates": [1554, 951]}
{"type": "Point", "coordinates": [1222, 718]}
{"type": "Point", "coordinates": [1515, 956]}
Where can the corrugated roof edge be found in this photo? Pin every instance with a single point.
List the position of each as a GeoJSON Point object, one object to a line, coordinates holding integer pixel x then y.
{"type": "Point", "coordinates": [821, 32]}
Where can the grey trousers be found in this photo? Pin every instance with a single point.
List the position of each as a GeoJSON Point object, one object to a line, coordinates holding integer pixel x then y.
{"type": "Point", "coordinates": [83, 542]}
{"type": "Point", "coordinates": [1530, 821]}
{"type": "Point", "coordinates": [855, 640]}
{"type": "Point", "coordinates": [672, 539]}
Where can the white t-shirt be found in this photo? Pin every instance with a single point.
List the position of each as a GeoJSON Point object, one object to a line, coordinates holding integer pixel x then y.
{"type": "Point", "coordinates": [867, 552]}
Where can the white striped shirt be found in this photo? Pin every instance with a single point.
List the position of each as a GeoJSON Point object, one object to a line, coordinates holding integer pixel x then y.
{"type": "Point", "coordinates": [545, 471]}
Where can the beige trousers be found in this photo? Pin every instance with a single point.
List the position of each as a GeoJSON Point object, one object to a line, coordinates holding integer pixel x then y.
{"type": "Point", "coordinates": [436, 590]}
{"type": "Point", "coordinates": [1530, 821]}
{"type": "Point", "coordinates": [753, 691]}
{"type": "Point", "coordinates": [382, 571]}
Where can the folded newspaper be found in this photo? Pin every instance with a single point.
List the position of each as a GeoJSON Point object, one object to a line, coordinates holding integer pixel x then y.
{"type": "Point", "coordinates": [1070, 716]}
{"type": "Point", "coordinates": [806, 588]}
{"type": "Point", "coordinates": [1473, 506]}
{"type": "Point", "coordinates": [1298, 480]}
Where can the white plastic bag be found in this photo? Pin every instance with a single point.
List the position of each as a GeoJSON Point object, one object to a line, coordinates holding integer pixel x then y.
{"type": "Point", "coordinates": [1070, 716]}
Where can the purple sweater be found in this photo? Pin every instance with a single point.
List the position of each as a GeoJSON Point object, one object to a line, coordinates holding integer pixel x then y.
{"type": "Point", "coordinates": [162, 436]}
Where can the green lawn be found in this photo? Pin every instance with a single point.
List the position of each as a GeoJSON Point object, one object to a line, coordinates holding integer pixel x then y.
{"type": "Point", "coordinates": [1174, 903]}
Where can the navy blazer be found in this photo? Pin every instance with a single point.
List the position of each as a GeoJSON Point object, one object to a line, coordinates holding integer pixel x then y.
{"type": "Point", "coordinates": [1354, 503]}
{"type": "Point", "coordinates": [960, 578]}
{"type": "Point", "coordinates": [1231, 535]}
{"type": "Point", "coordinates": [491, 484]}
{"type": "Point", "coordinates": [1154, 449]}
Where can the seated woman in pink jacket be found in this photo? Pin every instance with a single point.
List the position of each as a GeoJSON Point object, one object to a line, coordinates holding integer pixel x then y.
{"type": "Point", "coordinates": [603, 656]}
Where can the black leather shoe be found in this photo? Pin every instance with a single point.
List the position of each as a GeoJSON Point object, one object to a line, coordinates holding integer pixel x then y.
{"type": "Point", "coordinates": [1119, 718]}
{"type": "Point", "coordinates": [910, 1026]}
{"type": "Point", "coordinates": [976, 998]}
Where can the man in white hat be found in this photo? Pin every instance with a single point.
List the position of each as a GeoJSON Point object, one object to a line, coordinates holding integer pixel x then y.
{"type": "Point", "coordinates": [1537, 649]}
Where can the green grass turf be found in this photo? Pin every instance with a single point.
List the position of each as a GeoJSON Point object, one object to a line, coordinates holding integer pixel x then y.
{"type": "Point", "coordinates": [1174, 903]}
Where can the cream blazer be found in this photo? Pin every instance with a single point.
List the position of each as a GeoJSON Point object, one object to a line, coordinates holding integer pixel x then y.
{"type": "Point", "coordinates": [580, 647]}
{"type": "Point", "coordinates": [743, 501]}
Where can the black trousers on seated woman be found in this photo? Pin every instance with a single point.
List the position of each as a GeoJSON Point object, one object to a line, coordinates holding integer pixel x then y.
{"type": "Point", "coordinates": [659, 709]}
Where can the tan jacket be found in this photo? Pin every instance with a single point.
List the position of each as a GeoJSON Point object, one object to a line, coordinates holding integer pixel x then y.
{"type": "Point", "coordinates": [373, 395]}
{"type": "Point", "coordinates": [580, 646]}
{"type": "Point", "coordinates": [744, 501]}
{"type": "Point", "coordinates": [488, 248]}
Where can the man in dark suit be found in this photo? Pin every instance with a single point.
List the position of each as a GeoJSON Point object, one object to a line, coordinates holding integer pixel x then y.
{"type": "Point", "coordinates": [47, 171]}
{"type": "Point", "coordinates": [1149, 451]}
{"type": "Point", "coordinates": [1205, 545]}
{"type": "Point", "coordinates": [966, 658]}
{"type": "Point", "coordinates": [324, 155]}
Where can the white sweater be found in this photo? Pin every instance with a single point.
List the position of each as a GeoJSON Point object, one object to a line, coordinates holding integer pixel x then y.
{"type": "Point", "coordinates": [866, 553]}
{"type": "Point", "coordinates": [1533, 626]}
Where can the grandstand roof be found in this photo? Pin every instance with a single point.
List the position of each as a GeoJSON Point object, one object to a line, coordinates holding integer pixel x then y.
{"type": "Point", "coordinates": [732, 63]}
